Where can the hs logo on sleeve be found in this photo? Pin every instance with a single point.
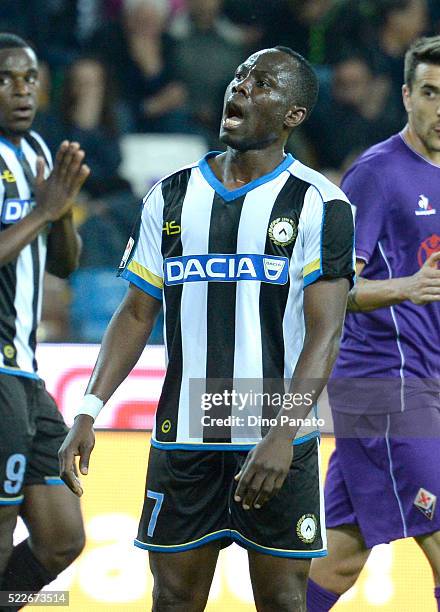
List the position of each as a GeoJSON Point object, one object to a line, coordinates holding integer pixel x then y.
{"type": "Point", "coordinates": [171, 228]}
{"type": "Point", "coordinates": [7, 176]}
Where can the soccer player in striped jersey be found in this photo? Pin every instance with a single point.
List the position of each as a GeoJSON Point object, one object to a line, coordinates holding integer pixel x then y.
{"type": "Point", "coordinates": [36, 233]}
{"type": "Point", "coordinates": [251, 254]}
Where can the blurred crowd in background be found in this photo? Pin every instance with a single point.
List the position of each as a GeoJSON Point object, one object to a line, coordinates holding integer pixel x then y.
{"type": "Point", "coordinates": [115, 67]}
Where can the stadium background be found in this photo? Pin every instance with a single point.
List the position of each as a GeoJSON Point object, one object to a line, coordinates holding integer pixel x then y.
{"type": "Point", "coordinates": [139, 83]}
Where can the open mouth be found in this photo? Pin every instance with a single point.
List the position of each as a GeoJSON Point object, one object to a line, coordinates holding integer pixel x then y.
{"type": "Point", "coordinates": [233, 116]}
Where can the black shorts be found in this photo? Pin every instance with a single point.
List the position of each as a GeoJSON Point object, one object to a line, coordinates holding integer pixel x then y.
{"type": "Point", "coordinates": [31, 432]}
{"type": "Point", "coordinates": [189, 501]}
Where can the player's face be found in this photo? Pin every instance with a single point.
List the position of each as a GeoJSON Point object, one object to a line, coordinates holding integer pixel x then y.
{"type": "Point", "coordinates": [18, 91]}
{"type": "Point", "coordinates": [422, 104]}
{"type": "Point", "coordinates": [257, 105]}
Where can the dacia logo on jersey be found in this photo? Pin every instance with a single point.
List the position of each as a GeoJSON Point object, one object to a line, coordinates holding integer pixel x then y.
{"type": "Point", "coordinates": [8, 176]}
{"type": "Point", "coordinates": [15, 210]}
{"type": "Point", "coordinates": [171, 228]}
{"type": "Point", "coordinates": [226, 268]}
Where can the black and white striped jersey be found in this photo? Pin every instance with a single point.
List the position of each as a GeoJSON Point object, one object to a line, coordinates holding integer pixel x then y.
{"type": "Point", "coordinates": [230, 267]}
{"type": "Point", "coordinates": [21, 280]}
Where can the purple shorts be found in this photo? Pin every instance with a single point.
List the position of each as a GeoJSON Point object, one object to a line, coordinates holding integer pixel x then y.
{"type": "Point", "coordinates": [387, 486]}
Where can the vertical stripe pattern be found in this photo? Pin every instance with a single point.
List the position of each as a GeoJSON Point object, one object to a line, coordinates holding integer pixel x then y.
{"type": "Point", "coordinates": [233, 264]}
{"type": "Point", "coordinates": [174, 190]}
{"type": "Point", "coordinates": [221, 311]}
{"type": "Point", "coordinates": [21, 280]}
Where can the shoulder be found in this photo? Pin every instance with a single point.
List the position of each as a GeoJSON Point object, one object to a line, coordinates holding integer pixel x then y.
{"type": "Point", "coordinates": [321, 185]}
{"type": "Point", "coordinates": [168, 181]}
{"type": "Point", "coordinates": [377, 159]}
{"type": "Point", "coordinates": [36, 141]}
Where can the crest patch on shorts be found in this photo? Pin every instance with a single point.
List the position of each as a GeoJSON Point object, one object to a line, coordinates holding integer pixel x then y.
{"type": "Point", "coordinates": [426, 502]}
{"type": "Point", "coordinates": [306, 528]}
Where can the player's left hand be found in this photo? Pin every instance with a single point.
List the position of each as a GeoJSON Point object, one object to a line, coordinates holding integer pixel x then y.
{"type": "Point", "coordinates": [264, 471]}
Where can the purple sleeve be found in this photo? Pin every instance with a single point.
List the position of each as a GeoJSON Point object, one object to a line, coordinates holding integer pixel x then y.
{"type": "Point", "coordinates": [364, 190]}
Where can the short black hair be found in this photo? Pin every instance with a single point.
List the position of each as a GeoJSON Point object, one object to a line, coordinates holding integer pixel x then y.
{"type": "Point", "coordinates": [425, 50]}
{"type": "Point", "coordinates": [306, 80]}
{"type": "Point", "coordinates": [12, 41]}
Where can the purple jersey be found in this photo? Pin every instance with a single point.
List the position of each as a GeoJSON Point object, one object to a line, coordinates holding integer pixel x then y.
{"type": "Point", "coordinates": [396, 193]}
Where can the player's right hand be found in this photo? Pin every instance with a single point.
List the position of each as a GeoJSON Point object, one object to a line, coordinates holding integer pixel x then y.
{"type": "Point", "coordinates": [56, 194]}
{"type": "Point", "coordinates": [79, 442]}
{"type": "Point", "coordinates": [424, 286]}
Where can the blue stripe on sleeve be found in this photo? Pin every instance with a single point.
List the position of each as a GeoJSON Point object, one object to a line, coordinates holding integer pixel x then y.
{"type": "Point", "coordinates": [312, 277]}
{"type": "Point", "coordinates": [142, 284]}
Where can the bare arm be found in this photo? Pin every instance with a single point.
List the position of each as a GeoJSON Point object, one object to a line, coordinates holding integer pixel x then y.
{"type": "Point", "coordinates": [19, 235]}
{"type": "Point", "coordinates": [123, 342]}
{"type": "Point", "coordinates": [63, 247]}
{"type": "Point", "coordinates": [420, 288]}
{"type": "Point", "coordinates": [122, 345]}
{"type": "Point", "coordinates": [266, 467]}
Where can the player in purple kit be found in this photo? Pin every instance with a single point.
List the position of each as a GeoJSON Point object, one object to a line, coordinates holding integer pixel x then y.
{"type": "Point", "coordinates": [383, 480]}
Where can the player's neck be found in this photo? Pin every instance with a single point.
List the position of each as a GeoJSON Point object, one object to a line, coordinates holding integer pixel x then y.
{"type": "Point", "coordinates": [412, 139]}
{"type": "Point", "coordinates": [14, 139]}
{"type": "Point", "coordinates": [237, 168]}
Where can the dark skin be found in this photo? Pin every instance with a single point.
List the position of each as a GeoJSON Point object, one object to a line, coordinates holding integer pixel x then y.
{"type": "Point", "coordinates": [55, 194]}
{"type": "Point", "coordinates": [55, 547]}
{"type": "Point", "coordinates": [258, 116]}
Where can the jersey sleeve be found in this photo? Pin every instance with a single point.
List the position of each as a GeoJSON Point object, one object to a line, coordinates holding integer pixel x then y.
{"type": "Point", "coordinates": [2, 198]}
{"type": "Point", "coordinates": [45, 149]}
{"type": "Point", "coordinates": [142, 262]}
{"type": "Point", "coordinates": [327, 234]}
{"type": "Point", "coordinates": [363, 188]}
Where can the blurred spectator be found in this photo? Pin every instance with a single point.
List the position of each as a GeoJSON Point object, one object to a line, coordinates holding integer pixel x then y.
{"type": "Point", "coordinates": [398, 24]}
{"type": "Point", "coordinates": [305, 25]}
{"type": "Point", "coordinates": [60, 29]}
{"type": "Point", "coordinates": [87, 115]}
{"type": "Point", "coordinates": [137, 49]}
{"type": "Point", "coordinates": [15, 16]}
{"type": "Point", "coordinates": [207, 50]}
{"type": "Point", "coordinates": [434, 14]}
{"type": "Point", "coordinates": [352, 117]}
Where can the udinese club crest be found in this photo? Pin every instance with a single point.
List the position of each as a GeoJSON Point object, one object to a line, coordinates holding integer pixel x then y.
{"type": "Point", "coordinates": [283, 231]}
{"type": "Point", "coordinates": [306, 528]}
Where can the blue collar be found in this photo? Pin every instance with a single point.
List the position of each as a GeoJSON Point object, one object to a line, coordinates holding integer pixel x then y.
{"type": "Point", "coordinates": [18, 151]}
{"type": "Point", "coordinates": [232, 194]}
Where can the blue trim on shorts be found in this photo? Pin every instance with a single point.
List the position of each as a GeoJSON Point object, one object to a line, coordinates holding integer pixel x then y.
{"type": "Point", "coordinates": [224, 533]}
{"type": "Point", "coordinates": [275, 552]}
{"type": "Point", "coordinates": [234, 536]}
{"type": "Point", "coordinates": [53, 480]}
{"type": "Point", "coordinates": [12, 502]}
{"type": "Point", "coordinates": [17, 372]}
{"type": "Point", "coordinates": [223, 446]}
